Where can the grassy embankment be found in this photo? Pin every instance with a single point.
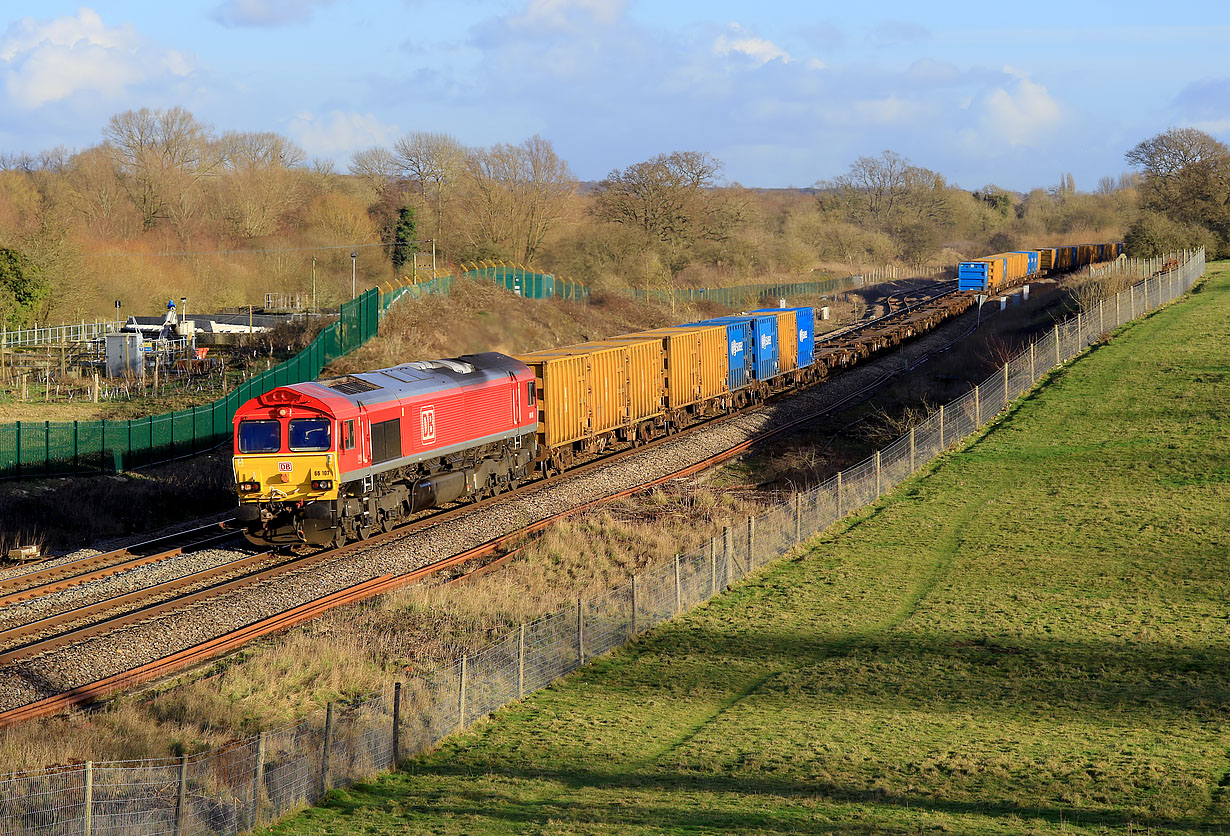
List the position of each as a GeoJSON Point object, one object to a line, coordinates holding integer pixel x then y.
{"type": "Point", "coordinates": [1032, 638]}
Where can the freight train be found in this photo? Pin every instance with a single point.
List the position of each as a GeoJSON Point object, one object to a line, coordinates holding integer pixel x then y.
{"type": "Point", "coordinates": [321, 463]}
{"type": "Point", "coordinates": [995, 272]}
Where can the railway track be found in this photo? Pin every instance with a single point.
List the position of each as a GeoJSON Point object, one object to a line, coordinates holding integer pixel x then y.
{"type": "Point", "coordinates": [62, 576]}
{"type": "Point", "coordinates": [92, 620]}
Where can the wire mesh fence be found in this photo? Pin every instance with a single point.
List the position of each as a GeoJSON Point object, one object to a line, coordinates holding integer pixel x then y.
{"type": "Point", "coordinates": [254, 781]}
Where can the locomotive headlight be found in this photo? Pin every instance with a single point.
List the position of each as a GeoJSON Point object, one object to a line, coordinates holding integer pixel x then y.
{"type": "Point", "coordinates": [249, 487]}
{"type": "Point", "coordinates": [322, 484]}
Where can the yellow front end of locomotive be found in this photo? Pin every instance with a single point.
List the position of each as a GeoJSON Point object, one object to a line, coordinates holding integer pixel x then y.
{"type": "Point", "coordinates": [278, 477]}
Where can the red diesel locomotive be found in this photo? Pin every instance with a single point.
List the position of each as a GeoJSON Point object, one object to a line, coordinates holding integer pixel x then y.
{"type": "Point", "coordinates": [319, 463]}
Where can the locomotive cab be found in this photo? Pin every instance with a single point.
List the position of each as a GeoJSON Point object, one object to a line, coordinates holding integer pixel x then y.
{"type": "Point", "coordinates": [286, 470]}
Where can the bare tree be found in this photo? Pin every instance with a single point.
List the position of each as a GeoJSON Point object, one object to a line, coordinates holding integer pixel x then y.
{"type": "Point", "coordinates": [673, 198]}
{"type": "Point", "coordinates": [515, 195]}
{"type": "Point", "coordinates": [889, 194]}
{"type": "Point", "coordinates": [1186, 178]}
{"type": "Point", "coordinates": [433, 160]}
{"type": "Point", "coordinates": [162, 155]}
{"type": "Point", "coordinates": [377, 165]}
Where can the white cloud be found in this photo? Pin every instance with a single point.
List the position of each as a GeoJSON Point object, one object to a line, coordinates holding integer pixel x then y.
{"type": "Point", "coordinates": [816, 64]}
{"type": "Point", "coordinates": [1020, 112]}
{"type": "Point", "coordinates": [266, 12]}
{"type": "Point", "coordinates": [339, 132]}
{"type": "Point", "coordinates": [744, 43]}
{"type": "Point", "coordinates": [49, 61]}
{"type": "Point", "coordinates": [571, 14]}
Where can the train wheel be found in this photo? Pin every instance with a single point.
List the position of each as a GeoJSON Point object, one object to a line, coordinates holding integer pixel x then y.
{"type": "Point", "coordinates": [387, 522]}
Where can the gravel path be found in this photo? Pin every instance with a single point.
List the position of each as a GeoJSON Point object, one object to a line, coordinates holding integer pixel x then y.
{"type": "Point", "coordinates": [94, 659]}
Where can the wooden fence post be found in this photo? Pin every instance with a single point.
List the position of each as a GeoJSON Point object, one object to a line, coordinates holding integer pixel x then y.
{"type": "Point", "coordinates": [324, 749]}
{"type": "Point", "coordinates": [580, 631]}
{"type": "Point", "coordinates": [839, 513]}
{"type": "Point", "coordinates": [943, 441]}
{"type": "Point", "coordinates": [678, 589]}
{"type": "Point", "coordinates": [879, 492]}
{"type": "Point", "coordinates": [87, 810]}
{"type": "Point", "coordinates": [258, 779]}
{"type": "Point", "coordinates": [977, 408]}
{"type": "Point", "coordinates": [181, 798]}
{"type": "Point", "coordinates": [461, 697]}
{"type": "Point", "coordinates": [1005, 385]}
{"type": "Point", "coordinates": [913, 466]}
{"type": "Point", "coordinates": [1058, 359]}
{"type": "Point", "coordinates": [634, 608]}
{"type": "Point", "coordinates": [396, 724]}
{"type": "Point", "coordinates": [798, 517]}
{"type": "Point", "coordinates": [521, 660]}
{"type": "Point", "coordinates": [751, 541]}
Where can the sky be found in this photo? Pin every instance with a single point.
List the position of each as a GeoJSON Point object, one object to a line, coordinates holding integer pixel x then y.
{"type": "Point", "coordinates": [783, 93]}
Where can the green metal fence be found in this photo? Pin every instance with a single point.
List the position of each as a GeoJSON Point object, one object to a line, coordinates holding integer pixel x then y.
{"type": "Point", "coordinates": [528, 283]}
{"type": "Point", "coordinates": [33, 448]}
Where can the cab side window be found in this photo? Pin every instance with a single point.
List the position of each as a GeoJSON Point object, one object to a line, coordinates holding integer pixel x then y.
{"type": "Point", "coordinates": [348, 435]}
{"type": "Point", "coordinates": [531, 396]}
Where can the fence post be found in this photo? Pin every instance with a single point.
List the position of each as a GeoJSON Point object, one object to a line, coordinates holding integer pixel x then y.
{"type": "Point", "coordinates": [913, 467]}
{"type": "Point", "coordinates": [943, 443]}
{"type": "Point", "coordinates": [798, 518]}
{"type": "Point", "coordinates": [634, 608]}
{"type": "Point", "coordinates": [461, 697]}
{"type": "Point", "coordinates": [258, 779]}
{"type": "Point", "coordinates": [1033, 369]}
{"type": "Point", "coordinates": [1132, 300]}
{"type": "Point", "coordinates": [751, 541]}
{"type": "Point", "coordinates": [396, 724]}
{"type": "Point", "coordinates": [878, 491]}
{"type": "Point", "coordinates": [977, 408]}
{"type": "Point", "coordinates": [87, 814]}
{"type": "Point", "coordinates": [713, 567]}
{"type": "Point", "coordinates": [521, 654]}
{"type": "Point", "coordinates": [839, 513]}
{"type": "Point", "coordinates": [1058, 359]}
{"type": "Point", "coordinates": [1005, 385]}
{"type": "Point", "coordinates": [324, 749]}
{"type": "Point", "coordinates": [726, 550]}
{"type": "Point", "coordinates": [580, 631]}
{"type": "Point", "coordinates": [181, 799]}
{"type": "Point", "coordinates": [678, 589]}
{"type": "Point", "coordinates": [1118, 316]}
{"type": "Point", "coordinates": [1080, 332]}
{"type": "Point", "coordinates": [1101, 317]}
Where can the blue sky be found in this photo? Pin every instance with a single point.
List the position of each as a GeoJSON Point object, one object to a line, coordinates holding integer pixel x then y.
{"type": "Point", "coordinates": [785, 93]}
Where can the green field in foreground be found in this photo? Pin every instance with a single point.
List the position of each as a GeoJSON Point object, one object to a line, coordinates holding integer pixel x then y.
{"type": "Point", "coordinates": [1033, 638]}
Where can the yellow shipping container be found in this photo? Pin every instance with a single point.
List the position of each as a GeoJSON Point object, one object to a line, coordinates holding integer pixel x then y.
{"type": "Point", "coordinates": [695, 362]}
{"type": "Point", "coordinates": [1046, 259]}
{"type": "Point", "coordinates": [643, 364]}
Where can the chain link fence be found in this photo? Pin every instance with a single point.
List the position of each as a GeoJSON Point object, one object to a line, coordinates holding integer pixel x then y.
{"type": "Point", "coordinates": [258, 780]}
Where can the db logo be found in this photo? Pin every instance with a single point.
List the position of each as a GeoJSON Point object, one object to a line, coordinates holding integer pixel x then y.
{"type": "Point", "coordinates": [803, 336]}
{"type": "Point", "coordinates": [427, 420]}
{"type": "Point", "coordinates": [736, 347]}
{"type": "Point", "coordinates": [286, 467]}
{"type": "Point", "coordinates": [765, 341]}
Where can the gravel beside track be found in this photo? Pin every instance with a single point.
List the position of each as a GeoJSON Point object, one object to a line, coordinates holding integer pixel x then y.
{"type": "Point", "coordinates": [94, 659]}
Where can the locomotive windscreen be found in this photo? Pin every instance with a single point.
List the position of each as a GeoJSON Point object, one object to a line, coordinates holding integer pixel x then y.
{"type": "Point", "coordinates": [386, 441]}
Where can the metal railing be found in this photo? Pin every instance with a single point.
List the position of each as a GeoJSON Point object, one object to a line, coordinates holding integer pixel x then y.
{"type": "Point", "coordinates": [56, 334]}
{"type": "Point", "coordinates": [257, 780]}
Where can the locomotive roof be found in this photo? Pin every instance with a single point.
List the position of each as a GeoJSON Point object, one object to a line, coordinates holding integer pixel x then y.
{"type": "Point", "coordinates": [420, 377]}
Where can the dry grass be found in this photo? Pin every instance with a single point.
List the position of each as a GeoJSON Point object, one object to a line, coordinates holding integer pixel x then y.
{"type": "Point", "coordinates": [357, 649]}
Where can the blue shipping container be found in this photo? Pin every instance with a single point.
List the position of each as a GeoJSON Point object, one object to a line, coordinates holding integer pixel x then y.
{"type": "Point", "coordinates": [738, 349]}
{"type": "Point", "coordinates": [762, 342]}
{"type": "Point", "coordinates": [805, 321]}
{"type": "Point", "coordinates": [972, 275]}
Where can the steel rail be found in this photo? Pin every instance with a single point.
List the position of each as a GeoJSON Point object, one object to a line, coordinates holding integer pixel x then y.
{"type": "Point", "coordinates": [86, 565]}
{"type": "Point", "coordinates": [59, 585]}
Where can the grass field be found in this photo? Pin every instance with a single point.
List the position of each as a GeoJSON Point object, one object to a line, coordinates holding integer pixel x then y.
{"type": "Point", "coordinates": [1033, 638]}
